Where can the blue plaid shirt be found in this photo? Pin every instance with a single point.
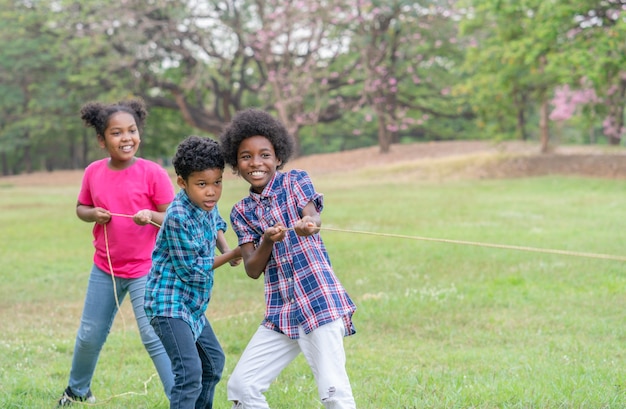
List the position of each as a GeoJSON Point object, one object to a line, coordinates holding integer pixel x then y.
{"type": "Point", "coordinates": [181, 278]}
{"type": "Point", "coordinates": [300, 285]}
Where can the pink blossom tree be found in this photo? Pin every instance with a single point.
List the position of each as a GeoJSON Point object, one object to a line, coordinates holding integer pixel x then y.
{"type": "Point", "coordinates": [301, 55]}
{"type": "Point", "coordinates": [594, 49]}
{"type": "Point", "coordinates": [568, 102]}
{"type": "Point", "coordinates": [407, 50]}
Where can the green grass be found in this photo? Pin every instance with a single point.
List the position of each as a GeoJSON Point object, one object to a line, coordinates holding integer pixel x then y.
{"type": "Point", "coordinates": [439, 325]}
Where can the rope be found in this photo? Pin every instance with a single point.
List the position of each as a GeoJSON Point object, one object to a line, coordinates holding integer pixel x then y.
{"type": "Point", "coordinates": [101, 402]}
{"type": "Point", "coordinates": [129, 215]}
{"type": "Point", "coordinates": [117, 300]}
{"type": "Point", "coordinates": [399, 236]}
{"type": "Point", "coordinates": [474, 243]}
{"type": "Point", "coordinates": [121, 313]}
{"type": "Point", "coordinates": [462, 242]}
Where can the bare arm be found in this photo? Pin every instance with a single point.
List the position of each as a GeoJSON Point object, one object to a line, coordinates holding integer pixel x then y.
{"type": "Point", "coordinates": [221, 243]}
{"type": "Point", "coordinates": [91, 214]}
{"type": "Point", "coordinates": [310, 223]}
{"type": "Point", "coordinates": [226, 257]}
{"type": "Point", "coordinates": [223, 247]}
{"type": "Point", "coordinates": [255, 259]}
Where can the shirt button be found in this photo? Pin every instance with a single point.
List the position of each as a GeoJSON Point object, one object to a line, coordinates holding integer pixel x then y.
{"type": "Point", "coordinates": [292, 300]}
{"type": "Point", "coordinates": [283, 260]}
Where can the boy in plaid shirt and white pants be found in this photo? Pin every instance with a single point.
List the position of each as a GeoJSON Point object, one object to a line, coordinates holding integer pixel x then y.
{"type": "Point", "coordinates": [277, 225]}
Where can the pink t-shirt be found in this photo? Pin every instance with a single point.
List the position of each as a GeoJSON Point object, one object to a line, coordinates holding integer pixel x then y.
{"type": "Point", "coordinates": [143, 185]}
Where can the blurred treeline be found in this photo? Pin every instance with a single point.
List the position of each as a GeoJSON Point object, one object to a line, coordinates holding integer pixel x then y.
{"type": "Point", "coordinates": [340, 74]}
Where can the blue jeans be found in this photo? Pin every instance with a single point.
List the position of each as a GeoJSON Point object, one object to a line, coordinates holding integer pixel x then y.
{"type": "Point", "coordinates": [197, 365]}
{"type": "Point", "coordinates": [98, 314]}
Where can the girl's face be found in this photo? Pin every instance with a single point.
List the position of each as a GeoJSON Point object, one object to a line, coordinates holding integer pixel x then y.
{"type": "Point", "coordinates": [121, 139]}
{"type": "Point", "coordinates": [204, 188]}
{"type": "Point", "coordinates": [257, 162]}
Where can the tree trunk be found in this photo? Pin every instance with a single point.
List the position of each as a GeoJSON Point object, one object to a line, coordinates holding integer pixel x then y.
{"type": "Point", "coordinates": [616, 112]}
{"type": "Point", "coordinates": [544, 128]}
{"type": "Point", "coordinates": [519, 99]}
{"type": "Point", "coordinates": [72, 152]}
{"type": "Point", "coordinates": [297, 152]}
{"type": "Point", "coordinates": [27, 160]}
{"type": "Point", "coordinates": [544, 111]}
{"type": "Point", "coordinates": [5, 165]}
{"type": "Point", "coordinates": [521, 124]}
{"type": "Point", "coordinates": [384, 138]}
{"type": "Point", "coordinates": [85, 153]}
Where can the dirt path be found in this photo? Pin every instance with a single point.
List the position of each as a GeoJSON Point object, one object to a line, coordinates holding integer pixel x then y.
{"type": "Point", "coordinates": [484, 159]}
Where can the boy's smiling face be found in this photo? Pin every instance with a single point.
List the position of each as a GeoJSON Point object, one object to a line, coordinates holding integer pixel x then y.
{"type": "Point", "coordinates": [257, 162]}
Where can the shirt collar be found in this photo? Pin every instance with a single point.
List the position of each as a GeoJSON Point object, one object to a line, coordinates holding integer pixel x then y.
{"type": "Point", "coordinates": [270, 189]}
{"type": "Point", "coordinates": [194, 209]}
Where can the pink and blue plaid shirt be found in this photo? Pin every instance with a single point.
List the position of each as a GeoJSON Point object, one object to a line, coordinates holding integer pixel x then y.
{"type": "Point", "coordinates": [301, 288]}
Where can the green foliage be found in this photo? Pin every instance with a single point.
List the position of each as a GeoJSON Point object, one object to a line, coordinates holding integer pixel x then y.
{"type": "Point", "coordinates": [520, 51]}
{"type": "Point", "coordinates": [502, 64]}
{"type": "Point", "coordinates": [410, 56]}
{"type": "Point", "coordinates": [352, 132]}
{"type": "Point", "coordinates": [425, 71]}
{"type": "Point", "coordinates": [164, 130]}
{"type": "Point", "coordinates": [439, 325]}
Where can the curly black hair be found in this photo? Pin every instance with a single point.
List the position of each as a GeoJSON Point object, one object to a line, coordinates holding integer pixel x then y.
{"type": "Point", "coordinates": [255, 122]}
{"type": "Point", "coordinates": [195, 154]}
{"type": "Point", "coordinates": [97, 115]}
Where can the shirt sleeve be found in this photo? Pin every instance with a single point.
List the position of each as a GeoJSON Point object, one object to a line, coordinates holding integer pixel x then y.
{"type": "Point", "coordinates": [162, 186]}
{"type": "Point", "coordinates": [304, 192]}
{"type": "Point", "coordinates": [84, 195]}
{"type": "Point", "coordinates": [243, 226]}
{"type": "Point", "coordinates": [191, 258]}
{"type": "Point", "coordinates": [220, 223]}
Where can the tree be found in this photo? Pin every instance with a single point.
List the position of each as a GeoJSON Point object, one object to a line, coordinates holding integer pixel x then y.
{"type": "Point", "coordinates": [386, 68]}
{"type": "Point", "coordinates": [207, 60]}
{"type": "Point", "coordinates": [598, 34]}
{"type": "Point", "coordinates": [569, 102]}
{"type": "Point", "coordinates": [508, 62]}
{"type": "Point", "coordinates": [526, 50]}
{"type": "Point", "coordinates": [30, 88]}
{"type": "Point", "coordinates": [300, 51]}
{"type": "Point", "coordinates": [409, 54]}
{"type": "Point", "coordinates": [176, 55]}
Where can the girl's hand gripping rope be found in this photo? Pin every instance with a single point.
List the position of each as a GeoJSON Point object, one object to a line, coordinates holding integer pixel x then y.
{"type": "Point", "coordinates": [101, 216]}
{"type": "Point", "coordinates": [143, 217]}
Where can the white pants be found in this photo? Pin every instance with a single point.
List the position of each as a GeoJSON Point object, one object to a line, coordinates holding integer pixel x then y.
{"type": "Point", "coordinates": [269, 352]}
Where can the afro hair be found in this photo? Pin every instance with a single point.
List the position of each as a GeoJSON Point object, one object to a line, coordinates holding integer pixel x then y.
{"type": "Point", "coordinates": [256, 122]}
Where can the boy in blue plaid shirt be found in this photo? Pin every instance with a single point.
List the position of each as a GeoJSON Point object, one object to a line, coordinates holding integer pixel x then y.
{"type": "Point", "coordinates": [179, 284]}
{"type": "Point", "coordinates": [307, 309]}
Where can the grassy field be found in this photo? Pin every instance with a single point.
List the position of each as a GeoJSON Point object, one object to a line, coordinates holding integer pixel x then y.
{"type": "Point", "coordinates": [439, 325]}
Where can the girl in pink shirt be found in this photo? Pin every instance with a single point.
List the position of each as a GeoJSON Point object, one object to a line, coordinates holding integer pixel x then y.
{"type": "Point", "coordinates": [120, 185]}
